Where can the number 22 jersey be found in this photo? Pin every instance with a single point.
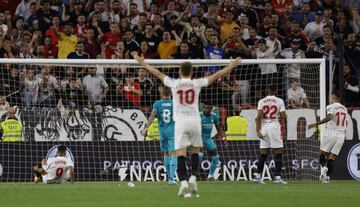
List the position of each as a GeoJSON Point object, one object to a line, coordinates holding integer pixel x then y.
{"type": "Point", "coordinates": [271, 107]}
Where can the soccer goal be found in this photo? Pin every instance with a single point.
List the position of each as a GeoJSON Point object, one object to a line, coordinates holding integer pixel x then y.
{"type": "Point", "coordinates": [98, 109]}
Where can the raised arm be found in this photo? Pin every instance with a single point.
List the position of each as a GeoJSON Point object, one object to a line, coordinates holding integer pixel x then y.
{"type": "Point", "coordinates": [148, 67]}
{"type": "Point", "coordinates": [224, 71]}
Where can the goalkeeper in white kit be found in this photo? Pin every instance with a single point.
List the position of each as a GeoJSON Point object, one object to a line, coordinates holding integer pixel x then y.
{"type": "Point", "coordinates": [55, 170]}
{"type": "Point", "coordinates": [334, 136]}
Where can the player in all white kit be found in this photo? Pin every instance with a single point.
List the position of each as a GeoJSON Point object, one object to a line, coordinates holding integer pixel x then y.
{"type": "Point", "coordinates": [185, 92]}
{"type": "Point", "coordinates": [334, 136]}
{"type": "Point", "coordinates": [268, 129]}
{"type": "Point", "coordinates": [55, 170]}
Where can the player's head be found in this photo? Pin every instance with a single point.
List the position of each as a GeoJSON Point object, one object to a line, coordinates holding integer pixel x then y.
{"type": "Point", "coordinates": [207, 109]}
{"type": "Point", "coordinates": [186, 70]}
{"type": "Point", "coordinates": [165, 92]}
{"type": "Point", "coordinates": [335, 97]}
{"type": "Point", "coordinates": [271, 90]}
{"type": "Point", "coordinates": [61, 150]}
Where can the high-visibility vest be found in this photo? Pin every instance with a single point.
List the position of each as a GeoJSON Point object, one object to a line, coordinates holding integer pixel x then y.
{"type": "Point", "coordinates": [236, 128]}
{"type": "Point", "coordinates": [12, 130]}
{"type": "Point", "coordinates": [153, 132]}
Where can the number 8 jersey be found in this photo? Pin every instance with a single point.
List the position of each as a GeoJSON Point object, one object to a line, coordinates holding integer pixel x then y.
{"type": "Point", "coordinates": [339, 112]}
{"type": "Point", "coordinates": [185, 94]}
{"type": "Point", "coordinates": [271, 107]}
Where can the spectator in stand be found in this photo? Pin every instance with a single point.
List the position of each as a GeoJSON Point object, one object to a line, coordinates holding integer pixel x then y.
{"type": "Point", "coordinates": [158, 24]}
{"type": "Point", "coordinates": [95, 88]}
{"type": "Point", "coordinates": [314, 29]}
{"type": "Point", "coordinates": [196, 46]}
{"type": "Point", "coordinates": [146, 52]}
{"type": "Point", "coordinates": [25, 51]}
{"type": "Point", "coordinates": [23, 9]}
{"type": "Point", "coordinates": [194, 26]}
{"type": "Point", "coordinates": [304, 15]}
{"type": "Point", "coordinates": [119, 52]}
{"type": "Point", "coordinates": [212, 14]}
{"type": "Point", "coordinates": [226, 6]}
{"type": "Point", "coordinates": [113, 36]}
{"type": "Point", "coordinates": [268, 72]}
{"type": "Point", "coordinates": [273, 42]}
{"type": "Point", "coordinates": [45, 14]}
{"type": "Point", "coordinates": [140, 28]}
{"type": "Point", "coordinates": [67, 41]}
{"type": "Point", "coordinates": [132, 91]}
{"type": "Point", "coordinates": [130, 43]}
{"type": "Point", "coordinates": [100, 9]}
{"type": "Point", "coordinates": [4, 105]}
{"type": "Point", "coordinates": [114, 78]}
{"type": "Point", "coordinates": [151, 37]}
{"type": "Point", "coordinates": [141, 5]}
{"type": "Point", "coordinates": [147, 88]}
{"type": "Point", "coordinates": [352, 52]}
{"type": "Point", "coordinates": [184, 53]}
{"type": "Point", "coordinates": [91, 43]}
{"type": "Point", "coordinates": [116, 13]}
{"type": "Point", "coordinates": [292, 71]}
{"type": "Point", "coordinates": [47, 88]}
{"type": "Point", "coordinates": [352, 91]}
{"type": "Point", "coordinates": [251, 43]}
{"type": "Point", "coordinates": [265, 27]}
{"type": "Point", "coordinates": [134, 15]}
{"type": "Point", "coordinates": [227, 25]}
{"type": "Point", "coordinates": [79, 53]}
{"type": "Point", "coordinates": [50, 51]}
{"type": "Point", "coordinates": [213, 49]}
{"type": "Point", "coordinates": [327, 34]}
{"type": "Point", "coordinates": [297, 33]}
{"type": "Point", "coordinates": [81, 29]}
{"type": "Point", "coordinates": [297, 96]}
{"type": "Point", "coordinates": [31, 89]}
{"type": "Point", "coordinates": [234, 46]}
{"type": "Point", "coordinates": [73, 95]}
{"type": "Point", "coordinates": [167, 47]}
{"type": "Point", "coordinates": [251, 14]}
{"type": "Point", "coordinates": [279, 6]}
{"type": "Point", "coordinates": [170, 11]}
{"type": "Point", "coordinates": [53, 30]}
{"type": "Point", "coordinates": [172, 24]}
{"type": "Point", "coordinates": [69, 73]}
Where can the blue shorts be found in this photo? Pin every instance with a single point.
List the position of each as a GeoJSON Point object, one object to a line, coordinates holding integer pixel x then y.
{"type": "Point", "coordinates": [209, 143]}
{"type": "Point", "coordinates": [167, 141]}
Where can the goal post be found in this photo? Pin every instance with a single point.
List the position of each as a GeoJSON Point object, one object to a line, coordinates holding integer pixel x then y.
{"type": "Point", "coordinates": [104, 133]}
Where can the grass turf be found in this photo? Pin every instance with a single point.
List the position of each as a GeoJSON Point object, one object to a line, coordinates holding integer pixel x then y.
{"type": "Point", "coordinates": [212, 194]}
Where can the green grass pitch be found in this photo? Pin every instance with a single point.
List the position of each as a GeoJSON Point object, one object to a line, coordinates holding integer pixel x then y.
{"type": "Point", "coordinates": [212, 194]}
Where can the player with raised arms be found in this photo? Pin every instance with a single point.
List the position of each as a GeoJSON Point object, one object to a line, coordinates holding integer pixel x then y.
{"type": "Point", "coordinates": [185, 92]}
{"type": "Point", "coordinates": [163, 110]}
{"type": "Point", "coordinates": [334, 136]}
{"type": "Point", "coordinates": [268, 129]}
{"type": "Point", "coordinates": [55, 170]}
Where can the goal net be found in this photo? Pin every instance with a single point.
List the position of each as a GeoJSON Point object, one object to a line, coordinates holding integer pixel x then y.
{"type": "Point", "coordinates": [98, 108]}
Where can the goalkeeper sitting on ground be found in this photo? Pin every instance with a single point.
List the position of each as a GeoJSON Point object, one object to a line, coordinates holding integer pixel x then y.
{"type": "Point", "coordinates": [55, 170]}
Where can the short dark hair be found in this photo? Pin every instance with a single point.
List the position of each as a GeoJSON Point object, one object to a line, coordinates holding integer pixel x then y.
{"type": "Point", "coordinates": [166, 91]}
{"type": "Point", "coordinates": [186, 68]}
{"type": "Point", "coordinates": [61, 148]}
{"type": "Point", "coordinates": [336, 94]}
{"type": "Point", "coordinates": [272, 89]}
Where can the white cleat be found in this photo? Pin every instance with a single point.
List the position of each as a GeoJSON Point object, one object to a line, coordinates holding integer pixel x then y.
{"type": "Point", "coordinates": [326, 180]}
{"type": "Point", "coordinates": [258, 179]}
{"type": "Point", "coordinates": [279, 180]}
{"type": "Point", "coordinates": [210, 178]}
{"type": "Point", "coordinates": [193, 185]}
{"type": "Point", "coordinates": [184, 188]}
{"type": "Point", "coordinates": [323, 172]}
{"type": "Point", "coordinates": [172, 182]}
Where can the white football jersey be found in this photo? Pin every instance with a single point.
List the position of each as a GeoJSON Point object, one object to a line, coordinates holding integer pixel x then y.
{"type": "Point", "coordinates": [56, 169]}
{"type": "Point", "coordinates": [185, 94]}
{"type": "Point", "coordinates": [271, 107]}
{"type": "Point", "coordinates": [297, 95]}
{"type": "Point", "coordinates": [339, 120]}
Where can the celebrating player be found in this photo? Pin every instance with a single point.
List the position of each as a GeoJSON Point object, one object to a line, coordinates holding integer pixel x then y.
{"type": "Point", "coordinates": [163, 109]}
{"type": "Point", "coordinates": [268, 129]}
{"type": "Point", "coordinates": [334, 137]}
{"type": "Point", "coordinates": [185, 92]}
{"type": "Point", "coordinates": [208, 119]}
{"type": "Point", "coordinates": [55, 170]}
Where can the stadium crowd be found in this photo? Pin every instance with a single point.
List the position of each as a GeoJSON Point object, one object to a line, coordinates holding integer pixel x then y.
{"type": "Point", "coordinates": [165, 29]}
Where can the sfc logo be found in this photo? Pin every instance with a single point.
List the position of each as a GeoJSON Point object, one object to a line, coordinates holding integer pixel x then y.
{"type": "Point", "coordinates": [353, 162]}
